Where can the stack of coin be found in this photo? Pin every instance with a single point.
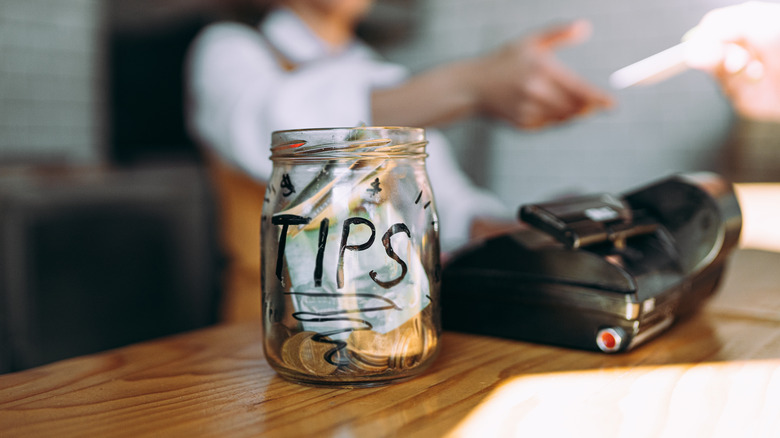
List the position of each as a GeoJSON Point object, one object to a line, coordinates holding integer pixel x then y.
{"type": "Point", "coordinates": [369, 351]}
{"type": "Point", "coordinates": [366, 352]}
{"type": "Point", "coordinates": [302, 353]}
{"type": "Point", "coordinates": [401, 348]}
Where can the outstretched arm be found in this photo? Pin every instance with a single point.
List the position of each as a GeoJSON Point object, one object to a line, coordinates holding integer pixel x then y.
{"type": "Point", "coordinates": [523, 83]}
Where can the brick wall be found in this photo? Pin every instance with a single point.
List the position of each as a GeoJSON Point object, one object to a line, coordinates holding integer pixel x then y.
{"type": "Point", "coordinates": [51, 76]}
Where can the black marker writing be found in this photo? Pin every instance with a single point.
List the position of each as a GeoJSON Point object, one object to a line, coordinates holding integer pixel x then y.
{"type": "Point", "coordinates": [395, 229]}
{"type": "Point", "coordinates": [323, 239]}
{"type": "Point", "coordinates": [374, 187]}
{"type": "Point", "coordinates": [285, 220]}
{"type": "Point", "coordinates": [344, 236]}
{"type": "Point", "coordinates": [287, 185]}
{"type": "Point", "coordinates": [339, 315]}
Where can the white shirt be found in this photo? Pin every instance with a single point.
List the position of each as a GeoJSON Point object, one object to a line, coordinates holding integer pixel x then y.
{"type": "Point", "coordinates": [239, 94]}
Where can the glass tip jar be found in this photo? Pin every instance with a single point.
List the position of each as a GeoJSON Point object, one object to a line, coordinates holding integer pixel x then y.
{"type": "Point", "coordinates": [350, 257]}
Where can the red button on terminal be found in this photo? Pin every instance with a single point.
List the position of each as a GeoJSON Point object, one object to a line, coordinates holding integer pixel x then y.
{"type": "Point", "coordinates": [609, 339]}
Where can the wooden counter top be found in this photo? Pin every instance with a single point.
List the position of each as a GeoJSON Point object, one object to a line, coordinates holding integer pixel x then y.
{"type": "Point", "coordinates": [716, 373]}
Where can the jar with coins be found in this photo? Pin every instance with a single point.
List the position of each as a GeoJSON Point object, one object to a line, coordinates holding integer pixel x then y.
{"type": "Point", "coordinates": [350, 257]}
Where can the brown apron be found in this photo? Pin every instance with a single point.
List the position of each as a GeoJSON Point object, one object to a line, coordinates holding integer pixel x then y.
{"type": "Point", "coordinates": [240, 204]}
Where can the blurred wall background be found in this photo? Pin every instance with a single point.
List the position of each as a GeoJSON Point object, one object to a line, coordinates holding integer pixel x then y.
{"type": "Point", "coordinates": [52, 81]}
{"type": "Point", "coordinates": [106, 225]}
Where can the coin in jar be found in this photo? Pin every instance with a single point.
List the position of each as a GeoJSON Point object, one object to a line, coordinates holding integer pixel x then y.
{"type": "Point", "coordinates": [314, 355]}
{"type": "Point", "coordinates": [291, 350]}
{"type": "Point", "coordinates": [378, 352]}
{"type": "Point", "coordinates": [407, 350]}
{"type": "Point", "coordinates": [369, 343]}
{"type": "Point", "coordinates": [368, 350]}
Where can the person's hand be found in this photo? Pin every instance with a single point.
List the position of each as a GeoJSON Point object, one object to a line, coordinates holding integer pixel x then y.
{"type": "Point", "coordinates": [524, 84]}
{"type": "Point", "coordinates": [740, 46]}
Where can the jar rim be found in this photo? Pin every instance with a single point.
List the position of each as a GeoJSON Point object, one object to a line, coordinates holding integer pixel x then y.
{"type": "Point", "coordinates": [348, 143]}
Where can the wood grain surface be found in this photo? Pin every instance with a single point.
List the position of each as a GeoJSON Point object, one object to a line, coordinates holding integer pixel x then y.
{"type": "Point", "coordinates": [717, 373]}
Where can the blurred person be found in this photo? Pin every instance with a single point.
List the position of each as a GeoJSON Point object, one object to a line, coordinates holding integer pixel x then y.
{"type": "Point", "coordinates": [304, 67]}
{"type": "Point", "coordinates": [740, 47]}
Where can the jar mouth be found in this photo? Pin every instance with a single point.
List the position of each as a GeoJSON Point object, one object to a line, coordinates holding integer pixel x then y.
{"type": "Point", "coordinates": [348, 143]}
